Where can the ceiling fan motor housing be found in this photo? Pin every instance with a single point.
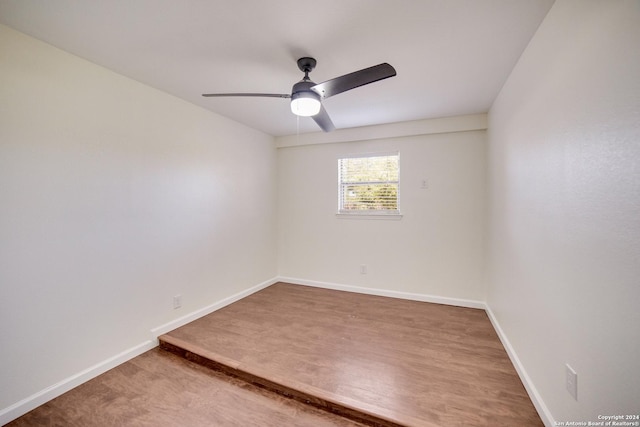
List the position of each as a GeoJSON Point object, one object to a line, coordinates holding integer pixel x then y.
{"type": "Point", "coordinates": [304, 100]}
{"type": "Point", "coordinates": [304, 87]}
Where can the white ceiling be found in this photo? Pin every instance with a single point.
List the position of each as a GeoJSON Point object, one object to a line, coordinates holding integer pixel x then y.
{"type": "Point", "coordinates": [452, 56]}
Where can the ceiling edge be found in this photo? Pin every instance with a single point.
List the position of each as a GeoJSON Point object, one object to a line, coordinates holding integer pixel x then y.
{"type": "Point", "coordinates": [416, 127]}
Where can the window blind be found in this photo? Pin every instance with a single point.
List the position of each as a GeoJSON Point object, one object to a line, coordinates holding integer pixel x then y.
{"type": "Point", "coordinates": [369, 184]}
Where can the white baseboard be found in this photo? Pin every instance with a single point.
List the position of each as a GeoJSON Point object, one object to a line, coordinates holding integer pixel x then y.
{"type": "Point", "coordinates": [163, 329]}
{"type": "Point", "coordinates": [25, 405]}
{"type": "Point", "coordinates": [387, 293]}
{"type": "Point", "coordinates": [535, 397]}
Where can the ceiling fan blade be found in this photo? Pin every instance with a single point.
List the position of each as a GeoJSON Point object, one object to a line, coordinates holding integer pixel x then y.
{"type": "Point", "coordinates": [354, 80]}
{"type": "Point", "coordinates": [263, 95]}
{"type": "Point", "coordinates": [323, 120]}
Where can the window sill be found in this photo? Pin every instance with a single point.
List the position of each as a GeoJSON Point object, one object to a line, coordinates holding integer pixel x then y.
{"type": "Point", "coordinates": [392, 217]}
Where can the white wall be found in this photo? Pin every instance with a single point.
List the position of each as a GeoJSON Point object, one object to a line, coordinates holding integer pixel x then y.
{"type": "Point", "coordinates": [564, 233]}
{"type": "Point", "coordinates": [435, 249]}
{"type": "Point", "coordinates": [113, 198]}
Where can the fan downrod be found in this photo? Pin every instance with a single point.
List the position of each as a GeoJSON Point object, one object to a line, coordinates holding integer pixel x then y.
{"type": "Point", "coordinates": [306, 64]}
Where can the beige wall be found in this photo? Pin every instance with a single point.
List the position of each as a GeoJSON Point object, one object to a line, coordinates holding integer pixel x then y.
{"type": "Point", "coordinates": [435, 249]}
{"type": "Point", "coordinates": [115, 197]}
{"type": "Point", "coordinates": [564, 233]}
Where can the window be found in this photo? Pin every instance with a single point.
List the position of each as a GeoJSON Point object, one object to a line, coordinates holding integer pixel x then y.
{"type": "Point", "coordinates": [369, 185]}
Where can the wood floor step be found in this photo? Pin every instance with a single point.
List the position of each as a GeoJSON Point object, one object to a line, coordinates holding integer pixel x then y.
{"type": "Point", "coordinates": [385, 361]}
{"type": "Point", "coordinates": [304, 393]}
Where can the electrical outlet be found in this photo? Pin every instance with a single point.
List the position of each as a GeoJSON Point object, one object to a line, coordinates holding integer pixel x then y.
{"type": "Point", "coordinates": [363, 269]}
{"type": "Point", "coordinates": [424, 184]}
{"type": "Point", "coordinates": [572, 381]}
{"type": "Point", "coordinates": [177, 301]}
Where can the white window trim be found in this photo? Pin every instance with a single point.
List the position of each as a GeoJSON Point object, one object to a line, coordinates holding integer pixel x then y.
{"type": "Point", "coordinates": [389, 216]}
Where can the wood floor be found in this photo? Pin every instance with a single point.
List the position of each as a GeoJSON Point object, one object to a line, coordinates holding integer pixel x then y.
{"type": "Point", "coordinates": [377, 360]}
{"type": "Point", "coordinates": [389, 361]}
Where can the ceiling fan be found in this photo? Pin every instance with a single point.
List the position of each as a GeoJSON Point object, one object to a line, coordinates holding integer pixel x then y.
{"type": "Point", "coordinates": [306, 96]}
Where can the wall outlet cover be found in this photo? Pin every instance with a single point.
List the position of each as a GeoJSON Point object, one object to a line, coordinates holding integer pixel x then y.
{"type": "Point", "coordinates": [177, 301]}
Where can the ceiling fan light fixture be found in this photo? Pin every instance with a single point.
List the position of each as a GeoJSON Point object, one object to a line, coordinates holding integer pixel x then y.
{"type": "Point", "coordinates": [305, 104]}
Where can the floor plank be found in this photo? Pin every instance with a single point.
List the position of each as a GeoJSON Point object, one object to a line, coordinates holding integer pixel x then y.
{"type": "Point", "coordinates": [405, 362]}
